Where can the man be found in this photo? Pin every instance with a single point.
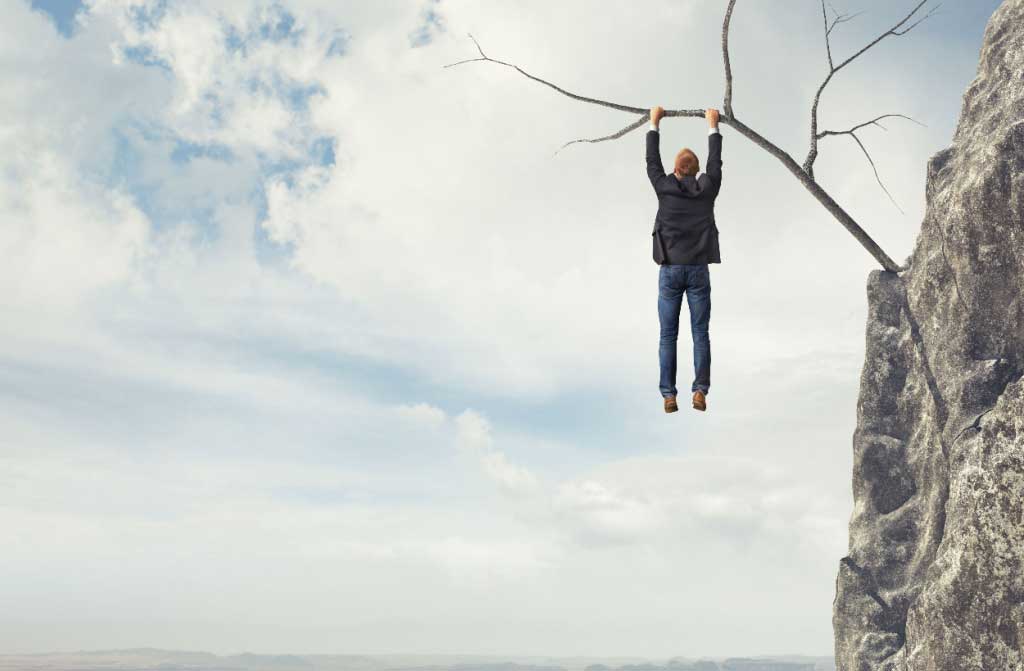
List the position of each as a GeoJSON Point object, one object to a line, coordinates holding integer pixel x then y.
{"type": "Point", "coordinates": [685, 242]}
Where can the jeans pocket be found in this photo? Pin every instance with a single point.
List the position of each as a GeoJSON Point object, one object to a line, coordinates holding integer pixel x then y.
{"type": "Point", "coordinates": [701, 277]}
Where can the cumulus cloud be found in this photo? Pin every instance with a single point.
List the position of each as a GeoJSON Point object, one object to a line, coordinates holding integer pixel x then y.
{"type": "Point", "coordinates": [726, 500]}
{"type": "Point", "coordinates": [596, 512]}
{"type": "Point", "coordinates": [49, 261]}
{"type": "Point", "coordinates": [473, 435]}
{"type": "Point", "coordinates": [423, 413]}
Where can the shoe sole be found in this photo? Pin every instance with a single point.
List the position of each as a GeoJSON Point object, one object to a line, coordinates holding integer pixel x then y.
{"type": "Point", "coordinates": [675, 409]}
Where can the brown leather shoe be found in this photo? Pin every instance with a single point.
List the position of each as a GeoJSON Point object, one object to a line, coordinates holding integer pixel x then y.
{"type": "Point", "coordinates": [670, 404]}
{"type": "Point", "coordinates": [699, 401]}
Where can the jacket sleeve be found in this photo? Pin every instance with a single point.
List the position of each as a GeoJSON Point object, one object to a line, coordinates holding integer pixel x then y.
{"type": "Point", "coordinates": [655, 171]}
{"type": "Point", "coordinates": [714, 165]}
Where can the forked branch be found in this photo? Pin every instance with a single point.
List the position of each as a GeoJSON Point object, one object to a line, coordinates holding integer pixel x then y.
{"type": "Point", "coordinates": [852, 132]}
{"type": "Point", "coordinates": [895, 31]}
{"type": "Point", "coordinates": [803, 173]}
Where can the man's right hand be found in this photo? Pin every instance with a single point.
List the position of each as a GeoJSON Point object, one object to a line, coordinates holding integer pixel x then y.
{"type": "Point", "coordinates": [656, 114]}
{"type": "Point", "coordinates": [711, 114]}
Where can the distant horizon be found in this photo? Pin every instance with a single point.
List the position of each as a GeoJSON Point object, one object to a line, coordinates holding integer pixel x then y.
{"type": "Point", "coordinates": [146, 648]}
{"type": "Point", "coordinates": [390, 661]}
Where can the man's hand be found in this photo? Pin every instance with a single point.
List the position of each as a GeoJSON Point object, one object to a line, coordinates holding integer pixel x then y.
{"type": "Point", "coordinates": [656, 114]}
{"type": "Point", "coordinates": [711, 114]}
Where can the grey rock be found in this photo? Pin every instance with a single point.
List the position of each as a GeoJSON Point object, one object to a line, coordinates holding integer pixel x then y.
{"type": "Point", "coordinates": [934, 578]}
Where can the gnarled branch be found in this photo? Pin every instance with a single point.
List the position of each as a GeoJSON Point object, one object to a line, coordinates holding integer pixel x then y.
{"type": "Point", "coordinates": [595, 101]}
{"type": "Point", "coordinates": [645, 111]}
{"type": "Point", "coordinates": [803, 173]}
{"type": "Point", "coordinates": [727, 104]}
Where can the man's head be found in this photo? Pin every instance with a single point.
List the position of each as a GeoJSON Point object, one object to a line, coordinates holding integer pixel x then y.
{"type": "Point", "coordinates": [687, 163]}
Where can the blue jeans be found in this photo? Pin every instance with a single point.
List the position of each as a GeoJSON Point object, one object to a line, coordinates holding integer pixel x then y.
{"type": "Point", "coordinates": [695, 281]}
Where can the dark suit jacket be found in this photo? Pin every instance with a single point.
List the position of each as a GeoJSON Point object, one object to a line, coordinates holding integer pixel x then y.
{"type": "Point", "coordinates": [684, 228]}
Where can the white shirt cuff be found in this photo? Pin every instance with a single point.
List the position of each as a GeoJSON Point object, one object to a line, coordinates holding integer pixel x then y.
{"type": "Point", "coordinates": [653, 127]}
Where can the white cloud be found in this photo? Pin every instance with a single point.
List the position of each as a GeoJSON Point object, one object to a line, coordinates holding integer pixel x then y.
{"type": "Point", "coordinates": [46, 259]}
{"type": "Point", "coordinates": [599, 513]}
{"type": "Point", "coordinates": [487, 561]}
{"type": "Point", "coordinates": [423, 413]}
{"type": "Point", "coordinates": [725, 500]}
{"type": "Point", "coordinates": [473, 435]}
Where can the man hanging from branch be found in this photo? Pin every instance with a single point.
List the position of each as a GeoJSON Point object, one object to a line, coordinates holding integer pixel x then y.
{"type": "Point", "coordinates": [685, 242]}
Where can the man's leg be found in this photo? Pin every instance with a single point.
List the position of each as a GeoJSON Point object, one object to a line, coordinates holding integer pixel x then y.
{"type": "Point", "coordinates": [698, 297]}
{"type": "Point", "coordinates": [670, 301]}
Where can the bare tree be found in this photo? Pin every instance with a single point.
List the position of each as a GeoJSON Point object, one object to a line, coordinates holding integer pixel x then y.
{"type": "Point", "coordinates": [804, 173]}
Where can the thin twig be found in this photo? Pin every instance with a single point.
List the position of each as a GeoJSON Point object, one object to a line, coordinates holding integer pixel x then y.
{"type": "Point", "coordinates": [852, 132]}
{"type": "Point", "coordinates": [812, 153]}
{"type": "Point", "coordinates": [574, 96]}
{"type": "Point", "coordinates": [911, 26]}
{"type": "Point", "coordinates": [874, 121]}
{"type": "Point", "coordinates": [840, 18]}
{"type": "Point", "coordinates": [614, 136]}
{"type": "Point", "coordinates": [877, 177]}
{"type": "Point", "coordinates": [892, 31]}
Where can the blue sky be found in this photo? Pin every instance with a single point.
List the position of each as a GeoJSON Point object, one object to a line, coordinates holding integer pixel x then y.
{"type": "Point", "coordinates": [61, 11]}
{"type": "Point", "coordinates": [292, 331]}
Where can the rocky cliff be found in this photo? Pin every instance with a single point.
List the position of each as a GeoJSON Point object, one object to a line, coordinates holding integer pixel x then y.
{"type": "Point", "coordinates": [934, 579]}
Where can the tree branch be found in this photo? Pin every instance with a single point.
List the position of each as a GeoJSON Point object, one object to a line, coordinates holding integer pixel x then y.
{"type": "Point", "coordinates": [869, 123]}
{"type": "Point", "coordinates": [645, 111]}
{"type": "Point", "coordinates": [574, 96]}
{"type": "Point", "coordinates": [852, 132]}
{"type": "Point", "coordinates": [879, 179]}
{"type": "Point", "coordinates": [728, 119]}
{"type": "Point", "coordinates": [840, 18]}
{"type": "Point", "coordinates": [812, 153]}
{"type": "Point", "coordinates": [727, 104]}
{"type": "Point", "coordinates": [614, 136]}
{"type": "Point", "coordinates": [821, 195]}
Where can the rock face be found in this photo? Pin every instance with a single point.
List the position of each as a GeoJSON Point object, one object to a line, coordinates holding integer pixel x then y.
{"type": "Point", "coordinates": [934, 579]}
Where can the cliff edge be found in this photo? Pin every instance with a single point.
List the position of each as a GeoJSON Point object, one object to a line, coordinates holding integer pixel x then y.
{"type": "Point", "coordinates": [934, 578]}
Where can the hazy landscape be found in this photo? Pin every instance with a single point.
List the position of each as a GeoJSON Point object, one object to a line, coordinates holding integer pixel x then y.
{"type": "Point", "coordinates": [150, 659]}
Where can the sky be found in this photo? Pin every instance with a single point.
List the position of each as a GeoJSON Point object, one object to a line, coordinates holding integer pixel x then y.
{"type": "Point", "coordinates": [311, 344]}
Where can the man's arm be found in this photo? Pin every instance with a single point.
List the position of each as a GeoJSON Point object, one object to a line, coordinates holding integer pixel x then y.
{"type": "Point", "coordinates": [655, 170]}
{"type": "Point", "coordinates": [714, 164]}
